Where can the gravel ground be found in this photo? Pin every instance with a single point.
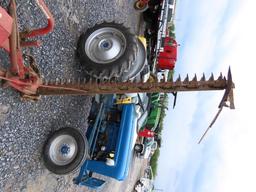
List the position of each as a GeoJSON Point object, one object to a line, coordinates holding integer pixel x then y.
{"type": "Point", "coordinates": [24, 126]}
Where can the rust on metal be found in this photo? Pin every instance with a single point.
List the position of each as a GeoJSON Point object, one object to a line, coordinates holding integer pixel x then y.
{"type": "Point", "coordinates": [92, 88]}
{"type": "Point", "coordinates": [22, 75]}
{"type": "Point", "coordinates": [15, 52]}
{"type": "Point", "coordinates": [227, 97]}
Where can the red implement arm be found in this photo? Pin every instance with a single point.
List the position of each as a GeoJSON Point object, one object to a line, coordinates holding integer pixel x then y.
{"type": "Point", "coordinates": [45, 30]}
{"type": "Point", "coordinates": [24, 78]}
{"type": "Point", "coordinates": [5, 28]}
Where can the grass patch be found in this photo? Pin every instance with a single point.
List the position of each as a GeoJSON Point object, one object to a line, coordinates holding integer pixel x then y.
{"type": "Point", "coordinates": [154, 160]}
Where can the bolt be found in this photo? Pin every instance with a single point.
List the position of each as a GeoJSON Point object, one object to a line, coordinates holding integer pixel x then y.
{"type": "Point", "coordinates": [106, 44]}
{"type": "Point", "coordinates": [64, 149]}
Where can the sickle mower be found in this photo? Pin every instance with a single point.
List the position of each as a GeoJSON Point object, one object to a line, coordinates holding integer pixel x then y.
{"type": "Point", "coordinates": [109, 51]}
{"type": "Point", "coordinates": [23, 74]}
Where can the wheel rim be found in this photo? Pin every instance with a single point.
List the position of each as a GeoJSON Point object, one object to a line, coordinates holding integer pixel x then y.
{"type": "Point", "coordinates": [63, 150]}
{"type": "Point", "coordinates": [105, 45]}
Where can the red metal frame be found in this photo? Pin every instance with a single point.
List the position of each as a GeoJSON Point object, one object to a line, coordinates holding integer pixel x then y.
{"type": "Point", "coordinates": [5, 28]}
{"type": "Point", "coordinates": [25, 79]}
{"type": "Point", "coordinates": [46, 29]}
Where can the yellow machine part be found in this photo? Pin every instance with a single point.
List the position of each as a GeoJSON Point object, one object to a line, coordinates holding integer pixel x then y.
{"type": "Point", "coordinates": [125, 100]}
{"type": "Point", "coordinates": [143, 41]}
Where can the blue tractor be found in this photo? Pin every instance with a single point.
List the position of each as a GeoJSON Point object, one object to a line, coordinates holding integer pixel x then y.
{"type": "Point", "coordinates": [106, 148]}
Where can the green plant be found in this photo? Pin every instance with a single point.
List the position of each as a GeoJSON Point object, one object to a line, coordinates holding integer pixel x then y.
{"type": "Point", "coordinates": [154, 161]}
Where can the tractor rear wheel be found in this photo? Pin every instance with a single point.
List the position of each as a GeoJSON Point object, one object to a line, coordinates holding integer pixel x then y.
{"type": "Point", "coordinates": [65, 151]}
{"type": "Point", "coordinates": [107, 50]}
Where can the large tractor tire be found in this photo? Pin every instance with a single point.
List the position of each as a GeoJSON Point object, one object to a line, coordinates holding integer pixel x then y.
{"type": "Point", "coordinates": [139, 64]}
{"type": "Point", "coordinates": [148, 17]}
{"type": "Point", "coordinates": [65, 151]}
{"type": "Point", "coordinates": [107, 50]}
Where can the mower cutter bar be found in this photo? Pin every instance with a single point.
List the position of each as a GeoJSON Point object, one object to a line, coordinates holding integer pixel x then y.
{"type": "Point", "coordinates": [91, 88]}
{"type": "Point", "coordinates": [129, 87]}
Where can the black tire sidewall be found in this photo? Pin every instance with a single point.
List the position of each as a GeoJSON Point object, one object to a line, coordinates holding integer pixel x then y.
{"type": "Point", "coordinates": [148, 17]}
{"type": "Point", "coordinates": [82, 151]}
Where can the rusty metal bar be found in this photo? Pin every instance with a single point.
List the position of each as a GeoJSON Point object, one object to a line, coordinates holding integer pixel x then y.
{"type": "Point", "coordinates": [227, 97]}
{"type": "Point", "coordinates": [23, 78]}
{"type": "Point", "coordinates": [72, 88]}
{"type": "Point", "coordinates": [228, 94]}
{"type": "Point", "coordinates": [15, 52]}
{"type": "Point", "coordinates": [210, 126]}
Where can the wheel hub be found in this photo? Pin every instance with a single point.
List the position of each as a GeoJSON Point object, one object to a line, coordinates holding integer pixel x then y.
{"type": "Point", "coordinates": [105, 45]}
{"type": "Point", "coordinates": [63, 150]}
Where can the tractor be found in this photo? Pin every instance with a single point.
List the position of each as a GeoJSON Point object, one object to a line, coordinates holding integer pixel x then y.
{"type": "Point", "coordinates": [111, 51]}
{"type": "Point", "coordinates": [106, 148]}
{"type": "Point", "coordinates": [119, 63]}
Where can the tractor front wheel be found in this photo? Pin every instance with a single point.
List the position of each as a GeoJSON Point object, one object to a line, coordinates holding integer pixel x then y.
{"type": "Point", "coordinates": [65, 151]}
